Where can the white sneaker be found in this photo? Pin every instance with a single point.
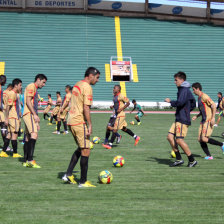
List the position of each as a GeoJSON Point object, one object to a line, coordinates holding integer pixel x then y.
{"type": "Point", "coordinates": [64, 178]}
{"type": "Point", "coordinates": [9, 149]}
{"type": "Point", "coordinates": [66, 132]}
{"type": "Point", "coordinates": [215, 125]}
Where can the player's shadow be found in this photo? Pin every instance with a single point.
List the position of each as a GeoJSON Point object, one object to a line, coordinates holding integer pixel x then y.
{"type": "Point", "coordinates": [217, 136]}
{"type": "Point", "coordinates": [160, 161]}
{"type": "Point", "coordinates": [197, 156]}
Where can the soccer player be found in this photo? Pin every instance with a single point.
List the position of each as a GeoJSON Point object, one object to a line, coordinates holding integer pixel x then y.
{"type": "Point", "coordinates": [63, 111]}
{"type": "Point", "coordinates": [120, 104]}
{"type": "Point", "coordinates": [31, 119]}
{"type": "Point", "coordinates": [2, 116]}
{"type": "Point", "coordinates": [56, 109]}
{"type": "Point", "coordinates": [184, 104]}
{"type": "Point", "coordinates": [49, 105]}
{"type": "Point", "coordinates": [79, 121]}
{"type": "Point", "coordinates": [207, 112]}
{"type": "Point", "coordinates": [140, 111]}
{"type": "Point", "coordinates": [220, 107]}
{"type": "Point", "coordinates": [12, 118]}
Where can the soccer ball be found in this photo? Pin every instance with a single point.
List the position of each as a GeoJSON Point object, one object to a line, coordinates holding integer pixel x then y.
{"type": "Point", "coordinates": [118, 161]}
{"type": "Point", "coordinates": [41, 99]}
{"type": "Point", "coordinates": [21, 130]}
{"type": "Point", "coordinates": [132, 122]}
{"type": "Point", "coordinates": [105, 177]}
{"type": "Point", "coordinates": [172, 153]}
{"type": "Point", "coordinates": [96, 140]}
{"type": "Point", "coordinates": [91, 145]}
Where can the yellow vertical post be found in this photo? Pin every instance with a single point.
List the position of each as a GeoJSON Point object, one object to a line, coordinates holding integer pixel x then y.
{"type": "Point", "coordinates": [2, 68]}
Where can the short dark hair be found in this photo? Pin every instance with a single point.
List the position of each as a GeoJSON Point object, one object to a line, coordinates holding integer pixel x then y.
{"type": "Point", "coordinates": [16, 82]}
{"type": "Point", "coordinates": [2, 79]}
{"type": "Point", "coordinates": [133, 101]}
{"type": "Point", "coordinates": [197, 85]}
{"type": "Point", "coordinates": [118, 87]}
{"type": "Point", "coordinates": [9, 85]}
{"type": "Point", "coordinates": [49, 95]}
{"type": "Point", "coordinates": [180, 75]}
{"type": "Point", "coordinates": [58, 92]}
{"type": "Point", "coordinates": [220, 93]}
{"type": "Point", "coordinates": [69, 87]}
{"type": "Point", "coordinates": [41, 77]}
{"type": "Point", "coordinates": [91, 70]}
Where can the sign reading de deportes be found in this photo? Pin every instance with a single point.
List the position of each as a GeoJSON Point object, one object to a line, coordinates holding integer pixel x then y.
{"type": "Point", "coordinates": [55, 3]}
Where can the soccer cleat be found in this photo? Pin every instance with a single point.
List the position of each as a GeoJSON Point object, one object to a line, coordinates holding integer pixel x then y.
{"type": "Point", "coordinates": [65, 132]}
{"type": "Point", "coordinates": [192, 164]}
{"type": "Point", "coordinates": [33, 164]}
{"type": "Point", "coordinates": [106, 146]}
{"type": "Point", "coordinates": [3, 154]}
{"type": "Point", "coordinates": [137, 140]}
{"type": "Point", "coordinates": [56, 132]}
{"type": "Point", "coordinates": [49, 124]}
{"type": "Point", "coordinates": [118, 139]}
{"type": "Point", "coordinates": [9, 149]}
{"type": "Point", "coordinates": [17, 155]}
{"type": "Point", "coordinates": [208, 157]}
{"type": "Point", "coordinates": [173, 154]}
{"type": "Point", "coordinates": [26, 164]}
{"type": "Point", "coordinates": [71, 179]}
{"type": "Point", "coordinates": [223, 148]}
{"type": "Point", "coordinates": [139, 123]}
{"type": "Point", "coordinates": [86, 184]}
{"type": "Point", "coordinates": [177, 163]}
{"type": "Point", "coordinates": [215, 125]}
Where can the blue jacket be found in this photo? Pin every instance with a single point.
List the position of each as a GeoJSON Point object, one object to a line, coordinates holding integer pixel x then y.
{"type": "Point", "coordinates": [184, 104]}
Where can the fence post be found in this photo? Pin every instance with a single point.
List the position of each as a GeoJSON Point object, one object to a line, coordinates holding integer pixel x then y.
{"type": "Point", "coordinates": [146, 7]}
{"type": "Point", "coordinates": [208, 12]}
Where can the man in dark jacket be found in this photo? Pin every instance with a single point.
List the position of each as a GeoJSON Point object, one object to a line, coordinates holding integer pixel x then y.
{"type": "Point", "coordinates": [184, 104]}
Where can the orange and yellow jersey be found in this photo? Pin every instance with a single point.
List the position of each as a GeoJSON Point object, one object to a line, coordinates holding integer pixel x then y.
{"type": "Point", "coordinates": [204, 105]}
{"type": "Point", "coordinates": [13, 101]}
{"type": "Point", "coordinates": [58, 102]}
{"type": "Point", "coordinates": [1, 99]}
{"type": "Point", "coordinates": [119, 101]}
{"type": "Point", "coordinates": [5, 98]}
{"type": "Point", "coordinates": [81, 94]}
{"type": "Point", "coordinates": [49, 102]}
{"type": "Point", "coordinates": [31, 91]}
{"type": "Point", "coordinates": [67, 99]}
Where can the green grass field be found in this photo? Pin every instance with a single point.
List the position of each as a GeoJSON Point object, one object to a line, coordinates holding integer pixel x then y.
{"type": "Point", "coordinates": [145, 190]}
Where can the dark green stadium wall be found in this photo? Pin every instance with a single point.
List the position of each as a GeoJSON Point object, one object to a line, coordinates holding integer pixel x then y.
{"type": "Point", "coordinates": [63, 46]}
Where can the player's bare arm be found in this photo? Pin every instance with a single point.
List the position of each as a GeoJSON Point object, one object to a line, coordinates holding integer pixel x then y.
{"type": "Point", "coordinates": [124, 107]}
{"type": "Point", "coordinates": [7, 114]}
{"type": "Point", "coordinates": [168, 100]}
{"type": "Point", "coordinates": [132, 110]}
{"type": "Point", "coordinates": [86, 111]}
{"type": "Point", "coordinates": [30, 107]}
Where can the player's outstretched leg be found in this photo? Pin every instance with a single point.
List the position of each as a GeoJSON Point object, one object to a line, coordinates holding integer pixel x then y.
{"type": "Point", "coordinates": [106, 140]}
{"type": "Point", "coordinates": [204, 147]}
{"type": "Point", "coordinates": [128, 131]}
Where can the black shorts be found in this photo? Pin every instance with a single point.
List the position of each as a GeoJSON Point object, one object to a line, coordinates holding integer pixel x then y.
{"type": "Point", "coordinates": [111, 121]}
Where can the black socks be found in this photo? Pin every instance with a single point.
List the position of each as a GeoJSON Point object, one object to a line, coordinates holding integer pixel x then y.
{"type": "Point", "coordinates": [25, 150]}
{"type": "Point", "coordinates": [14, 145]}
{"type": "Point", "coordinates": [214, 142]}
{"type": "Point", "coordinates": [75, 157]}
{"type": "Point", "coordinates": [178, 156]}
{"type": "Point", "coordinates": [84, 168]}
{"type": "Point", "coordinates": [128, 131]}
{"type": "Point", "coordinates": [31, 147]}
{"type": "Point", "coordinates": [191, 158]}
{"type": "Point", "coordinates": [65, 125]}
{"type": "Point", "coordinates": [58, 125]}
{"type": "Point", "coordinates": [204, 146]}
{"type": "Point", "coordinates": [113, 138]}
{"type": "Point", "coordinates": [6, 144]}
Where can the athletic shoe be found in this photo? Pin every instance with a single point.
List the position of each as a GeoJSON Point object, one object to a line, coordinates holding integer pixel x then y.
{"type": "Point", "coordinates": [17, 155]}
{"type": "Point", "coordinates": [208, 157]}
{"type": "Point", "coordinates": [173, 154]}
{"type": "Point", "coordinates": [223, 148]}
{"type": "Point", "coordinates": [65, 132]}
{"type": "Point", "coordinates": [26, 164]}
{"type": "Point", "coordinates": [86, 184]}
{"type": "Point", "coordinates": [49, 124]}
{"type": "Point", "coordinates": [9, 149]}
{"type": "Point", "coordinates": [139, 123]}
{"type": "Point", "coordinates": [33, 164]}
{"type": "Point", "coordinates": [192, 164]}
{"type": "Point", "coordinates": [177, 163]}
{"type": "Point", "coordinates": [71, 179]}
{"type": "Point", "coordinates": [137, 140]}
{"type": "Point", "coordinates": [4, 154]}
{"type": "Point", "coordinates": [56, 132]}
{"type": "Point", "coordinates": [118, 139]}
{"type": "Point", "coordinates": [215, 125]}
{"type": "Point", "coordinates": [106, 146]}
